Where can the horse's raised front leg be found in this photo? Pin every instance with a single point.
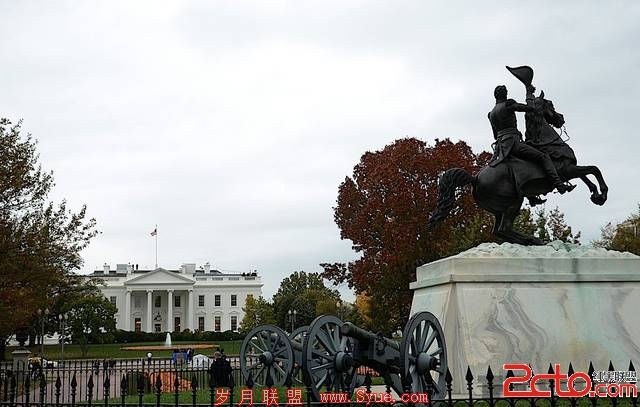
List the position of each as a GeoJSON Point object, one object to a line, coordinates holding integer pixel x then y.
{"type": "Point", "coordinates": [580, 171]}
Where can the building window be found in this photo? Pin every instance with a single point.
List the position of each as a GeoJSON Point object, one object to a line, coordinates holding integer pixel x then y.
{"type": "Point", "coordinates": [201, 301]}
{"type": "Point", "coordinates": [137, 301]}
{"type": "Point", "coordinates": [216, 301]}
{"type": "Point", "coordinates": [216, 323]}
{"type": "Point", "coordinates": [176, 301]}
{"type": "Point", "coordinates": [234, 300]}
{"type": "Point", "coordinates": [200, 324]}
{"type": "Point", "coordinates": [234, 323]}
{"type": "Point", "coordinates": [113, 300]}
{"type": "Point", "coordinates": [157, 328]}
{"type": "Point", "coordinates": [138, 324]}
{"type": "Point", "coordinates": [176, 324]}
{"type": "Point", "coordinates": [158, 302]}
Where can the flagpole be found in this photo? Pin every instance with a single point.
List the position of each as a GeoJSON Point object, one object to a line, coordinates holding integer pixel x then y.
{"type": "Point", "coordinates": [156, 236]}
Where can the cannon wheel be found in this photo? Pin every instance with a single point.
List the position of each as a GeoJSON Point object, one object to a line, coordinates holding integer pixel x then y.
{"type": "Point", "coordinates": [327, 360]}
{"type": "Point", "coordinates": [423, 351]}
{"type": "Point", "coordinates": [266, 353]}
{"type": "Point", "coordinates": [298, 335]}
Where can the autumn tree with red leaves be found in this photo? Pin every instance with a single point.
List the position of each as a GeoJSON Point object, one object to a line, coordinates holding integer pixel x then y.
{"type": "Point", "coordinates": [383, 209]}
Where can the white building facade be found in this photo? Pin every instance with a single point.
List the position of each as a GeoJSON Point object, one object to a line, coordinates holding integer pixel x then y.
{"type": "Point", "coordinates": [175, 300]}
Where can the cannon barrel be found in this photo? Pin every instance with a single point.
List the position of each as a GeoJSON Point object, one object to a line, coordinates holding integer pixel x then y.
{"type": "Point", "coordinates": [350, 330]}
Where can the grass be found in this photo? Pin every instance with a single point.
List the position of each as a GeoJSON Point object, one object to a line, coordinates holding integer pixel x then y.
{"type": "Point", "coordinates": [113, 351]}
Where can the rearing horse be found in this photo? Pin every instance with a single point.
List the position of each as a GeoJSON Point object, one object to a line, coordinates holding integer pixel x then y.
{"type": "Point", "coordinates": [502, 189]}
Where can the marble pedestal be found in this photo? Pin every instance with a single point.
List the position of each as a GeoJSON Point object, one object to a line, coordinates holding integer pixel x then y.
{"type": "Point", "coordinates": [508, 303]}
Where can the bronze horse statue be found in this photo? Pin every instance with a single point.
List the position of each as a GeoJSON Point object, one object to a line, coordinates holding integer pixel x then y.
{"type": "Point", "coordinates": [502, 189]}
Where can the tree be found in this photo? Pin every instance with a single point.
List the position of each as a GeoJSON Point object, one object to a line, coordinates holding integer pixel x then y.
{"type": "Point", "coordinates": [383, 209]}
{"type": "Point", "coordinates": [546, 227]}
{"type": "Point", "coordinates": [625, 237]}
{"type": "Point", "coordinates": [90, 319]}
{"type": "Point", "coordinates": [257, 311]}
{"type": "Point", "coordinates": [304, 293]}
{"type": "Point", "coordinates": [40, 243]}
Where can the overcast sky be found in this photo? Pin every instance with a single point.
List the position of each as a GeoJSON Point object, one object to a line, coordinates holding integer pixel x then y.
{"type": "Point", "coordinates": [230, 124]}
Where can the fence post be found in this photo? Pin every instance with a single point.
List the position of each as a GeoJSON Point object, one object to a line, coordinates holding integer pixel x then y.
{"type": "Point", "coordinates": [469, 378]}
{"type": "Point", "coordinates": [232, 386]}
{"type": "Point", "coordinates": [194, 390]}
{"type": "Point", "coordinates": [158, 389]}
{"type": "Point", "coordinates": [27, 388]}
{"type": "Point", "coordinates": [176, 388]}
{"type": "Point", "coordinates": [43, 389]}
{"type": "Point", "coordinates": [12, 389]}
{"type": "Point", "coordinates": [141, 380]}
{"type": "Point", "coordinates": [594, 400]}
{"type": "Point", "coordinates": [448, 379]}
{"type": "Point", "coordinates": [124, 387]}
{"type": "Point", "coordinates": [634, 400]}
{"type": "Point", "coordinates": [106, 389]}
{"type": "Point", "coordinates": [552, 387]}
{"type": "Point", "coordinates": [490, 378]}
{"type": "Point", "coordinates": [58, 387]}
{"type": "Point", "coordinates": [212, 387]}
{"type": "Point", "coordinates": [90, 390]}
{"type": "Point", "coordinates": [74, 385]}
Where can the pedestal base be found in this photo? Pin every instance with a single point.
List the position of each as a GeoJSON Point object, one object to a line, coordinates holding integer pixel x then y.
{"type": "Point", "coordinates": [538, 305]}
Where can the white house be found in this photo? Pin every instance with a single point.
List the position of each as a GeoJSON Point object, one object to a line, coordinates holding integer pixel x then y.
{"type": "Point", "coordinates": [174, 300]}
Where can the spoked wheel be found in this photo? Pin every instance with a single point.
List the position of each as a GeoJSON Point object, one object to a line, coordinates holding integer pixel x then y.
{"type": "Point", "coordinates": [423, 352]}
{"type": "Point", "coordinates": [266, 355]}
{"type": "Point", "coordinates": [297, 340]}
{"type": "Point", "coordinates": [327, 359]}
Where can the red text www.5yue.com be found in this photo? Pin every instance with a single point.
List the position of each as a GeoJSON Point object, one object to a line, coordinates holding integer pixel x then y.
{"type": "Point", "coordinates": [579, 384]}
{"type": "Point", "coordinates": [362, 397]}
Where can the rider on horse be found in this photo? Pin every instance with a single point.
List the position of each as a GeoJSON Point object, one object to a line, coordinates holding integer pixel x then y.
{"type": "Point", "coordinates": [509, 139]}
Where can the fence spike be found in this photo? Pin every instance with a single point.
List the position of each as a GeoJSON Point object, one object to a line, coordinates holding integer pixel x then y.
{"type": "Point", "coordinates": [250, 381]}
{"type": "Point", "coordinates": [631, 368]}
{"type": "Point", "coordinates": [570, 371]}
{"type": "Point", "coordinates": [611, 369]}
{"type": "Point", "coordinates": [490, 375]}
{"type": "Point", "coordinates": [447, 377]}
{"type": "Point", "coordinates": [469, 376]}
{"type": "Point", "coordinates": [550, 370]}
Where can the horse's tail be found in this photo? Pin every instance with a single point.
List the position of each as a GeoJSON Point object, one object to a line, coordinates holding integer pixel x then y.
{"type": "Point", "coordinates": [447, 184]}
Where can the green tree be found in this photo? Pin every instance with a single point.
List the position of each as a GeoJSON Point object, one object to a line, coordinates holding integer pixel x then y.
{"type": "Point", "coordinates": [90, 319]}
{"type": "Point", "coordinates": [40, 243]}
{"type": "Point", "coordinates": [625, 237]}
{"type": "Point", "coordinates": [304, 293]}
{"type": "Point", "coordinates": [545, 226]}
{"type": "Point", "coordinates": [257, 311]}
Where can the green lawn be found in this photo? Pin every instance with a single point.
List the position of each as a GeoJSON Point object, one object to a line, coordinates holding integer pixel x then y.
{"type": "Point", "coordinates": [113, 351]}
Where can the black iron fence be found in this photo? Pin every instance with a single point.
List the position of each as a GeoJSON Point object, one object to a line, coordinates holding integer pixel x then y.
{"type": "Point", "coordinates": [166, 383]}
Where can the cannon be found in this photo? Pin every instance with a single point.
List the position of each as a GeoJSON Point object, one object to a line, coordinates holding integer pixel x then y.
{"type": "Point", "coordinates": [333, 351]}
{"type": "Point", "coordinates": [268, 355]}
{"type": "Point", "coordinates": [330, 351]}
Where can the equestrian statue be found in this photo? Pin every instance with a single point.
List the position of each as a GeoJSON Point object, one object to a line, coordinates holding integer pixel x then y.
{"type": "Point", "coordinates": [519, 169]}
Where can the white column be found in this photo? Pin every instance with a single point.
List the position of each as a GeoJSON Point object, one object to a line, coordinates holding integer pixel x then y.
{"type": "Point", "coordinates": [126, 317]}
{"type": "Point", "coordinates": [170, 327]}
{"type": "Point", "coordinates": [149, 315]}
{"type": "Point", "coordinates": [190, 311]}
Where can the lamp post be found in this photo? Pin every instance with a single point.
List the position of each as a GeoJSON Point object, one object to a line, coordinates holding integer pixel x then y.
{"type": "Point", "coordinates": [43, 315]}
{"type": "Point", "coordinates": [63, 325]}
{"type": "Point", "coordinates": [292, 318]}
